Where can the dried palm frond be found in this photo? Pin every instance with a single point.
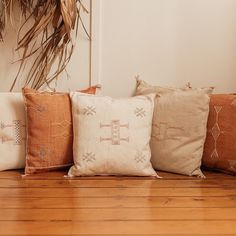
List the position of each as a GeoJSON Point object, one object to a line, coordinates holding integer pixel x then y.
{"type": "Point", "coordinates": [5, 11]}
{"type": "Point", "coordinates": [48, 40]}
{"type": "Point", "coordinates": [54, 22]}
{"type": "Point", "coordinates": [25, 6]}
{"type": "Point", "coordinates": [2, 19]}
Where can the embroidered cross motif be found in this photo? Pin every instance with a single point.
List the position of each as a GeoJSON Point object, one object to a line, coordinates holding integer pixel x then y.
{"type": "Point", "coordinates": [16, 127]}
{"type": "Point", "coordinates": [163, 131]}
{"type": "Point", "coordinates": [140, 157]}
{"type": "Point", "coordinates": [115, 127]}
{"type": "Point", "coordinates": [89, 157]}
{"type": "Point", "coordinates": [139, 112]}
{"type": "Point", "coordinates": [42, 152]}
{"type": "Point", "coordinates": [89, 110]}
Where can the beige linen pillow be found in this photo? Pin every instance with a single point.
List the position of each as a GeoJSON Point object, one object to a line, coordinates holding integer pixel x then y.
{"type": "Point", "coordinates": [143, 87]}
{"type": "Point", "coordinates": [179, 132]}
{"type": "Point", "coordinates": [12, 131]}
{"type": "Point", "coordinates": [111, 136]}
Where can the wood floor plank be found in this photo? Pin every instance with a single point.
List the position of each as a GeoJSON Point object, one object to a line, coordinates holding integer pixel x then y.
{"type": "Point", "coordinates": [108, 192]}
{"type": "Point", "coordinates": [118, 214]}
{"type": "Point", "coordinates": [117, 183]}
{"type": "Point", "coordinates": [117, 202]}
{"type": "Point", "coordinates": [119, 227]}
{"type": "Point", "coordinates": [175, 205]}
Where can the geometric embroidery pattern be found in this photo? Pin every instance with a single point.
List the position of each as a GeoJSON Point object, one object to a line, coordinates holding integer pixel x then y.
{"type": "Point", "coordinates": [6, 139]}
{"type": "Point", "coordinates": [38, 108]}
{"type": "Point", "coordinates": [42, 152]}
{"type": "Point", "coordinates": [89, 157]}
{"type": "Point", "coordinates": [163, 131]}
{"type": "Point", "coordinates": [215, 132]}
{"type": "Point", "coordinates": [65, 128]}
{"type": "Point", "coordinates": [233, 102]}
{"type": "Point", "coordinates": [89, 110]}
{"type": "Point", "coordinates": [140, 157]}
{"type": "Point", "coordinates": [232, 163]}
{"type": "Point", "coordinates": [16, 127]}
{"type": "Point", "coordinates": [17, 132]}
{"type": "Point", "coordinates": [139, 112]}
{"type": "Point", "coordinates": [115, 127]}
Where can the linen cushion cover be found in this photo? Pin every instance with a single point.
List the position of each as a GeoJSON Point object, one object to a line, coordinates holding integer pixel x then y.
{"type": "Point", "coordinates": [179, 132]}
{"type": "Point", "coordinates": [220, 148]}
{"type": "Point", "coordinates": [179, 127]}
{"type": "Point", "coordinates": [12, 131]}
{"type": "Point", "coordinates": [143, 87]}
{"type": "Point", "coordinates": [111, 136]}
{"type": "Point", "coordinates": [49, 131]}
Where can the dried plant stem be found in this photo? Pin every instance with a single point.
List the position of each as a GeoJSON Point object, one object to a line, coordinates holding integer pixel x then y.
{"type": "Point", "coordinates": [48, 41]}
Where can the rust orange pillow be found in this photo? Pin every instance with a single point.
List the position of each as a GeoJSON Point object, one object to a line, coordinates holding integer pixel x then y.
{"type": "Point", "coordinates": [49, 130]}
{"type": "Point", "coordinates": [220, 145]}
{"type": "Point", "coordinates": [91, 90]}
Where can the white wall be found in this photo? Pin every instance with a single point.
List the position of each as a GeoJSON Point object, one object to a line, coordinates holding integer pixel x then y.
{"type": "Point", "coordinates": [168, 42]}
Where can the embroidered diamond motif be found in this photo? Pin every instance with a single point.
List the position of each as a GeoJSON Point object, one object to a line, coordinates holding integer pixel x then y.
{"type": "Point", "coordinates": [65, 124]}
{"type": "Point", "coordinates": [89, 157]}
{"type": "Point", "coordinates": [215, 131]}
{"type": "Point", "coordinates": [63, 129]}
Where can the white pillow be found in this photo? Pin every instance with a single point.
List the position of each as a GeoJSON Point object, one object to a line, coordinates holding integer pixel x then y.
{"type": "Point", "coordinates": [12, 131]}
{"type": "Point", "coordinates": [111, 136]}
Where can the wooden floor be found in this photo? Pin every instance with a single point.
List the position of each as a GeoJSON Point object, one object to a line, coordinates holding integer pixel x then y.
{"type": "Point", "coordinates": [175, 205]}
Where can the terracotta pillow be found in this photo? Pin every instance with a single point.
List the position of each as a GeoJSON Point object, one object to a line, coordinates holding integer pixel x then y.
{"type": "Point", "coordinates": [91, 90]}
{"type": "Point", "coordinates": [220, 145]}
{"type": "Point", "coordinates": [49, 131]}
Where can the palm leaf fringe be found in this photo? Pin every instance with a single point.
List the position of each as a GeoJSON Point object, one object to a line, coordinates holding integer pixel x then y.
{"type": "Point", "coordinates": [48, 42]}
